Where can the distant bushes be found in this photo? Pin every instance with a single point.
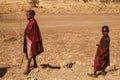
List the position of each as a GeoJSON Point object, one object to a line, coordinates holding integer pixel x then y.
{"type": "Point", "coordinates": [104, 1]}
{"type": "Point", "coordinates": [33, 3]}
{"type": "Point", "coordinates": [108, 1]}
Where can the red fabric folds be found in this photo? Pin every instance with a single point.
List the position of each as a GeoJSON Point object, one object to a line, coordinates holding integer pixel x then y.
{"type": "Point", "coordinates": [33, 33]}
{"type": "Point", "coordinates": [101, 62]}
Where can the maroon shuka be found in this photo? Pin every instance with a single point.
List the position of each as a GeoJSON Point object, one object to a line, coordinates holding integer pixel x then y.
{"type": "Point", "coordinates": [101, 62]}
{"type": "Point", "coordinates": [33, 33]}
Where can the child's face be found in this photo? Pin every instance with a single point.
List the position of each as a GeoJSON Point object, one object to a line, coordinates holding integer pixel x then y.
{"type": "Point", "coordinates": [105, 32]}
{"type": "Point", "coordinates": [28, 16]}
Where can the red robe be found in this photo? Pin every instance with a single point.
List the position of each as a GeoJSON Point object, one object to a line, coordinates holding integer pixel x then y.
{"type": "Point", "coordinates": [101, 62]}
{"type": "Point", "coordinates": [33, 33]}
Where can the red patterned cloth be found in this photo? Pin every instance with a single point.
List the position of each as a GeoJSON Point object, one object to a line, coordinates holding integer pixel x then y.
{"type": "Point", "coordinates": [101, 62]}
{"type": "Point", "coordinates": [32, 39]}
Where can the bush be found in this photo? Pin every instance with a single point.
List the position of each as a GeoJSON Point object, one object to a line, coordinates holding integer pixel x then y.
{"type": "Point", "coordinates": [33, 2]}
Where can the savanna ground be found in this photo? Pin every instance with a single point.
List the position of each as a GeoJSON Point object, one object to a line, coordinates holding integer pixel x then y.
{"type": "Point", "coordinates": [67, 38]}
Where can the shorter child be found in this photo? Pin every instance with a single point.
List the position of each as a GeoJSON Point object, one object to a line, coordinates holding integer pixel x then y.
{"type": "Point", "coordinates": [102, 59]}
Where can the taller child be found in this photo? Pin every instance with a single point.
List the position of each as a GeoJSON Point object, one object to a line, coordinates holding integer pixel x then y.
{"type": "Point", "coordinates": [32, 40]}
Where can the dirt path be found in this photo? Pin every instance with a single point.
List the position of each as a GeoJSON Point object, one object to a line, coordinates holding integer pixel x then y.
{"type": "Point", "coordinates": [67, 39]}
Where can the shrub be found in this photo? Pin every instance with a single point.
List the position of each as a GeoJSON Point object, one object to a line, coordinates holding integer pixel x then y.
{"type": "Point", "coordinates": [33, 2]}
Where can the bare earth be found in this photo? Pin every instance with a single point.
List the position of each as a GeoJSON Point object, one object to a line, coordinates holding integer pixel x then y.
{"type": "Point", "coordinates": [67, 39]}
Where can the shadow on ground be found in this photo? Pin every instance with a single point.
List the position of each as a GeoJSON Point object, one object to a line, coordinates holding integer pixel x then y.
{"type": "Point", "coordinates": [49, 66]}
{"type": "Point", "coordinates": [3, 71]}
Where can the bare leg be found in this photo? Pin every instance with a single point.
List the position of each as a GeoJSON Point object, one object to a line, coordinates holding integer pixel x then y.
{"type": "Point", "coordinates": [27, 71]}
{"type": "Point", "coordinates": [95, 74]}
{"type": "Point", "coordinates": [35, 63]}
{"type": "Point", "coordinates": [103, 72]}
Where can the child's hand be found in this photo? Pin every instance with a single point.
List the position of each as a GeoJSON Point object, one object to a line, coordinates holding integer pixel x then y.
{"type": "Point", "coordinates": [97, 44]}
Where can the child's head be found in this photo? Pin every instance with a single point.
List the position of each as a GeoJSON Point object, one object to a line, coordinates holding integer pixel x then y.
{"type": "Point", "coordinates": [30, 14]}
{"type": "Point", "coordinates": [105, 30]}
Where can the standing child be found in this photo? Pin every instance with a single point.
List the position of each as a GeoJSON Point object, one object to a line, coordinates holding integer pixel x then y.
{"type": "Point", "coordinates": [32, 40]}
{"type": "Point", "coordinates": [102, 59]}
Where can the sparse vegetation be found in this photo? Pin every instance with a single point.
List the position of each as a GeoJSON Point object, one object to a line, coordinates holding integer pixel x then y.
{"type": "Point", "coordinates": [33, 3]}
{"type": "Point", "coordinates": [109, 1]}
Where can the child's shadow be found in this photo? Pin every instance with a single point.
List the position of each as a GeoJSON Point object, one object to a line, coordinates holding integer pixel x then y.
{"type": "Point", "coordinates": [49, 66]}
{"type": "Point", "coordinates": [3, 71]}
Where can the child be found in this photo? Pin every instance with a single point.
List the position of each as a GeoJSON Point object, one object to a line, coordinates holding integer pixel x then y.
{"type": "Point", "coordinates": [32, 40]}
{"type": "Point", "coordinates": [102, 55]}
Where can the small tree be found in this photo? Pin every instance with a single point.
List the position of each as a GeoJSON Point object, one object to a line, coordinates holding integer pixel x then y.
{"type": "Point", "coordinates": [33, 2]}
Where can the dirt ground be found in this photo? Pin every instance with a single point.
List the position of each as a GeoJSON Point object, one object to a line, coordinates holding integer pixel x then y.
{"type": "Point", "coordinates": [67, 38]}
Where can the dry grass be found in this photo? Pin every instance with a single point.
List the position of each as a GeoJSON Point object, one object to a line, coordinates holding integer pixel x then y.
{"type": "Point", "coordinates": [61, 7]}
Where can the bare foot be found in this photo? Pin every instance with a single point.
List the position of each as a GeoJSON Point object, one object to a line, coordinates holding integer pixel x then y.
{"type": "Point", "coordinates": [92, 75]}
{"type": "Point", "coordinates": [103, 73]}
{"type": "Point", "coordinates": [26, 72]}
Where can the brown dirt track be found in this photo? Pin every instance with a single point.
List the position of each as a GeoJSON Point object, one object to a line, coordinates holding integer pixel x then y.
{"type": "Point", "coordinates": [67, 38]}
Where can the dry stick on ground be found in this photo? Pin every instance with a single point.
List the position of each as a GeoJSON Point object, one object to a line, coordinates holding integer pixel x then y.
{"type": "Point", "coordinates": [18, 34]}
{"type": "Point", "coordinates": [21, 61]}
